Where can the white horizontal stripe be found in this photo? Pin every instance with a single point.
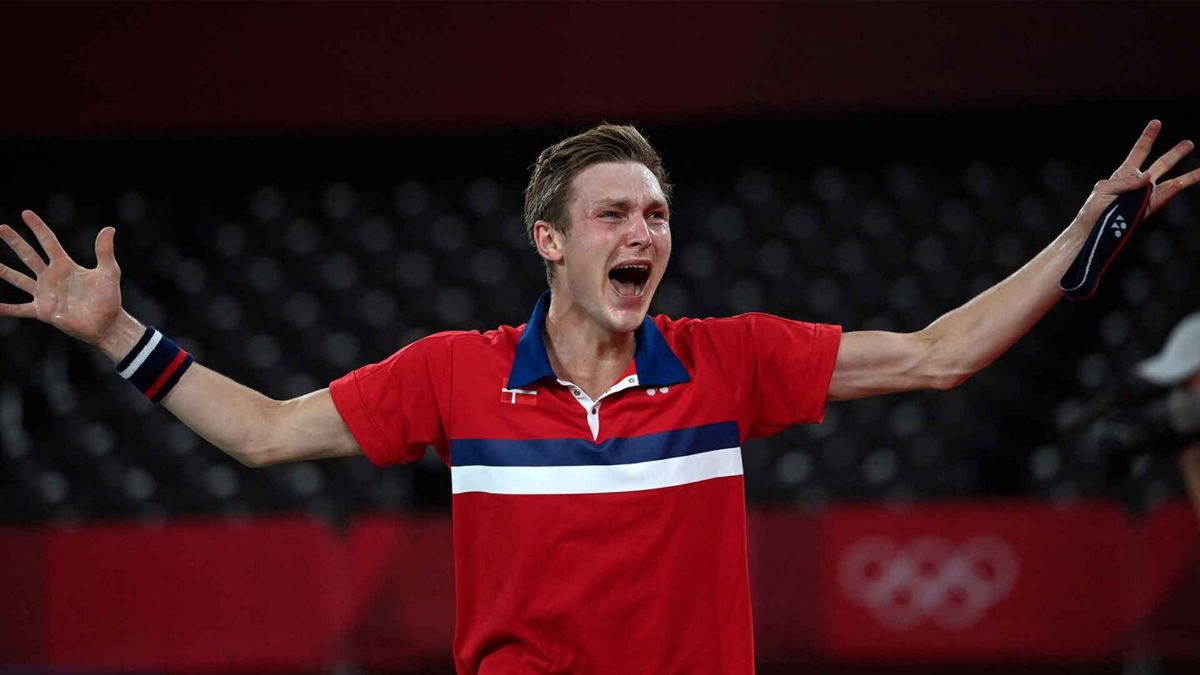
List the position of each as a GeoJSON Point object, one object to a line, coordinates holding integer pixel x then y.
{"type": "Point", "coordinates": [574, 480]}
{"type": "Point", "coordinates": [142, 355]}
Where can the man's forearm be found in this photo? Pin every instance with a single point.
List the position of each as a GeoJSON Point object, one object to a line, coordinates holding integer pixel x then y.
{"type": "Point", "coordinates": [231, 416]}
{"type": "Point", "coordinates": [961, 342]}
{"type": "Point", "coordinates": [974, 335]}
{"type": "Point", "coordinates": [970, 337]}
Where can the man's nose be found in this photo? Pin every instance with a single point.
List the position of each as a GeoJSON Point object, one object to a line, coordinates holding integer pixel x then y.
{"type": "Point", "coordinates": [639, 232]}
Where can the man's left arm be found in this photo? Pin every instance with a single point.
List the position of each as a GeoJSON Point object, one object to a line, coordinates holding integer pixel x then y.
{"type": "Point", "coordinates": [963, 341]}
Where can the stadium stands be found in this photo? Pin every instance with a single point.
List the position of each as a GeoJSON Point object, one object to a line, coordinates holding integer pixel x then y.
{"type": "Point", "coordinates": [285, 284]}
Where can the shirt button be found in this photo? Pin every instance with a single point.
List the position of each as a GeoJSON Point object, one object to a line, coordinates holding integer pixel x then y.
{"type": "Point", "coordinates": [593, 411]}
{"type": "Point", "coordinates": [575, 391]}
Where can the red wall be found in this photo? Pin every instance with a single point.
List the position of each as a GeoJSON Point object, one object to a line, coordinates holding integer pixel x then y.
{"type": "Point", "coordinates": [115, 68]}
{"type": "Point", "coordinates": [1025, 582]}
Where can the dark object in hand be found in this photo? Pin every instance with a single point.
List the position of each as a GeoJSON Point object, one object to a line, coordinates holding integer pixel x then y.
{"type": "Point", "coordinates": [1114, 227]}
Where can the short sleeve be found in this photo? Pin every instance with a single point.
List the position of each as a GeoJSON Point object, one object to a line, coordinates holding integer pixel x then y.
{"type": "Point", "coordinates": [778, 369]}
{"type": "Point", "coordinates": [397, 407]}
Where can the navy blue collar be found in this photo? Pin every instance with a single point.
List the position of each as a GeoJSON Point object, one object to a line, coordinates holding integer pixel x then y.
{"type": "Point", "coordinates": [657, 365]}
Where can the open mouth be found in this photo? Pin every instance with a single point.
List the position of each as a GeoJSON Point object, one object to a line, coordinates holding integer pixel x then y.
{"type": "Point", "coordinates": [629, 280]}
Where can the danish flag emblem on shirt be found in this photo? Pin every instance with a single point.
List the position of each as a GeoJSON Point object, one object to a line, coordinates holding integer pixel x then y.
{"type": "Point", "coordinates": [518, 396]}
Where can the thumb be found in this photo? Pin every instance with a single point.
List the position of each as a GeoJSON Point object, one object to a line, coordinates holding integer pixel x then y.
{"type": "Point", "coordinates": [106, 259]}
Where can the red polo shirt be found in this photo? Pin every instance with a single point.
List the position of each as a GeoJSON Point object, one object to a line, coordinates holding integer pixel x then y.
{"type": "Point", "coordinates": [606, 535]}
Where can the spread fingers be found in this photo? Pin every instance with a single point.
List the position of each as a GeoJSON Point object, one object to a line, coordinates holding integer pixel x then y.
{"type": "Point", "coordinates": [24, 311]}
{"type": "Point", "coordinates": [23, 250]}
{"type": "Point", "coordinates": [17, 279]}
{"type": "Point", "coordinates": [1168, 161]}
{"type": "Point", "coordinates": [44, 234]}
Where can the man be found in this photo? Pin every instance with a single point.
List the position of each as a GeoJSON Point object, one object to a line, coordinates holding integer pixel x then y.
{"type": "Point", "coordinates": [1170, 426]}
{"type": "Point", "coordinates": [599, 513]}
{"type": "Point", "coordinates": [1178, 366]}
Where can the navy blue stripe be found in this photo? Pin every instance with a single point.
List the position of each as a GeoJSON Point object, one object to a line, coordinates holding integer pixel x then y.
{"type": "Point", "coordinates": [172, 380]}
{"type": "Point", "coordinates": [137, 349]}
{"type": "Point", "coordinates": [163, 354]}
{"type": "Point", "coordinates": [582, 452]}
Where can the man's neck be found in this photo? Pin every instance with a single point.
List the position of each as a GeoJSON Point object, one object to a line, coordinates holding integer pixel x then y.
{"type": "Point", "coordinates": [584, 353]}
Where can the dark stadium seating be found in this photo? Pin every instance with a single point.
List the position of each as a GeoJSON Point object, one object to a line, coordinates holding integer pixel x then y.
{"type": "Point", "coordinates": [286, 285]}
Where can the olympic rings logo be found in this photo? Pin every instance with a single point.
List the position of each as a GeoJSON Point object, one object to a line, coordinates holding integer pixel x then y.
{"type": "Point", "coordinates": [928, 579]}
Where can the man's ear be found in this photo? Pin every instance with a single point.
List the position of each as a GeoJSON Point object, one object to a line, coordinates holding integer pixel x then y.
{"type": "Point", "coordinates": [548, 241]}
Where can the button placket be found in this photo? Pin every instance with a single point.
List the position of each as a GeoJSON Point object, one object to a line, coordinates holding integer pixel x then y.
{"type": "Point", "coordinates": [592, 408]}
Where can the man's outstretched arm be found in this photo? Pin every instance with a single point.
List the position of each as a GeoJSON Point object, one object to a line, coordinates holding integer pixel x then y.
{"type": "Point", "coordinates": [86, 304]}
{"type": "Point", "coordinates": [962, 342]}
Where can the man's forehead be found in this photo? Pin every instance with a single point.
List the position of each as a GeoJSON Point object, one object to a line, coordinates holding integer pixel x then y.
{"type": "Point", "coordinates": [607, 182]}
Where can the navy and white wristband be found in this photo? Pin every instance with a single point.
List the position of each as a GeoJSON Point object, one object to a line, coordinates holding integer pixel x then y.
{"type": "Point", "coordinates": [154, 365]}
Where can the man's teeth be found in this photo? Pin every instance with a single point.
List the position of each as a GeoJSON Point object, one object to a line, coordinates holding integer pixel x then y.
{"type": "Point", "coordinates": [630, 280]}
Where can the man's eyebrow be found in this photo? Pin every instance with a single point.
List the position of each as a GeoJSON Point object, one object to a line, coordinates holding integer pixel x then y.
{"type": "Point", "coordinates": [611, 201]}
{"type": "Point", "coordinates": [626, 203]}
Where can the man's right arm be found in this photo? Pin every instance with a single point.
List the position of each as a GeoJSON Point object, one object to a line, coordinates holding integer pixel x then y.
{"type": "Point", "coordinates": [86, 303]}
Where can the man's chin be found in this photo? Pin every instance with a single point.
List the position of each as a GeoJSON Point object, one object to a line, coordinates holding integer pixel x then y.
{"type": "Point", "coordinates": [627, 316]}
{"type": "Point", "coordinates": [625, 322]}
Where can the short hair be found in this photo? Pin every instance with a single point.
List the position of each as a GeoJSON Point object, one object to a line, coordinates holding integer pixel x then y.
{"type": "Point", "coordinates": [549, 188]}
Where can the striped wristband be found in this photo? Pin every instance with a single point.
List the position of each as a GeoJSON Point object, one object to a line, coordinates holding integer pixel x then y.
{"type": "Point", "coordinates": [154, 365]}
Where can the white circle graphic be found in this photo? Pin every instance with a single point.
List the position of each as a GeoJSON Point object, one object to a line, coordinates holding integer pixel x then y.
{"type": "Point", "coordinates": [928, 579]}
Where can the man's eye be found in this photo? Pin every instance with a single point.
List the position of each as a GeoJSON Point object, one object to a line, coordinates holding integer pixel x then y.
{"type": "Point", "coordinates": [609, 214]}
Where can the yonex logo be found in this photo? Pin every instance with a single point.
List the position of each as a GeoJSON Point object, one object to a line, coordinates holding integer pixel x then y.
{"type": "Point", "coordinates": [1119, 226]}
{"type": "Point", "coordinates": [928, 579]}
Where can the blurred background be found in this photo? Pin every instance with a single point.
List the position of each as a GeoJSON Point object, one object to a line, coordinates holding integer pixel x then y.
{"type": "Point", "coordinates": [300, 189]}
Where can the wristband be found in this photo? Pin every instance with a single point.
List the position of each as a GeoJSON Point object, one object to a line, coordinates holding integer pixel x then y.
{"type": "Point", "coordinates": [154, 365]}
{"type": "Point", "coordinates": [1108, 235]}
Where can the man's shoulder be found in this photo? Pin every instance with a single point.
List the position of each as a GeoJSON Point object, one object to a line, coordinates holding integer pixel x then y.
{"type": "Point", "coordinates": [501, 337]}
{"type": "Point", "coordinates": [684, 322]}
{"type": "Point", "coordinates": [686, 325]}
{"type": "Point", "coordinates": [736, 329]}
{"type": "Point", "coordinates": [681, 333]}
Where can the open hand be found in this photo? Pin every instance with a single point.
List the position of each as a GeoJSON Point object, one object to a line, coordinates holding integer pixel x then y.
{"type": "Point", "coordinates": [81, 302]}
{"type": "Point", "coordinates": [1129, 176]}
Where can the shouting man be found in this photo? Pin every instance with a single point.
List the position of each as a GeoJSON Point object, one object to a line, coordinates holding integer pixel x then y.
{"type": "Point", "coordinates": [599, 517]}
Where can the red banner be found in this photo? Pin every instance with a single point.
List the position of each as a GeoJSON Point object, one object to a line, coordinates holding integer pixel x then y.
{"type": "Point", "coordinates": [403, 591]}
{"type": "Point", "coordinates": [965, 581]}
{"type": "Point", "coordinates": [193, 595]}
{"type": "Point", "coordinates": [397, 65]}
{"type": "Point", "coordinates": [1166, 618]}
{"type": "Point", "coordinates": [986, 582]}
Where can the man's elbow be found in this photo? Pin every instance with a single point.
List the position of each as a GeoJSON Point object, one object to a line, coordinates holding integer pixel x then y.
{"type": "Point", "coordinates": [951, 375]}
{"type": "Point", "coordinates": [261, 448]}
{"type": "Point", "coordinates": [943, 366]}
{"type": "Point", "coordinates": [262, 443]}
{"type": "Point", "coordinates": [258, 456]}
{"type": "Point", "coordinates": [253, 459]}
{"type": "Point", "coordinates": [251, 456]}
{"type": "Point", "coordinates": [292, 431]}
{"type": "Point", "coordinates": [948, 381]}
